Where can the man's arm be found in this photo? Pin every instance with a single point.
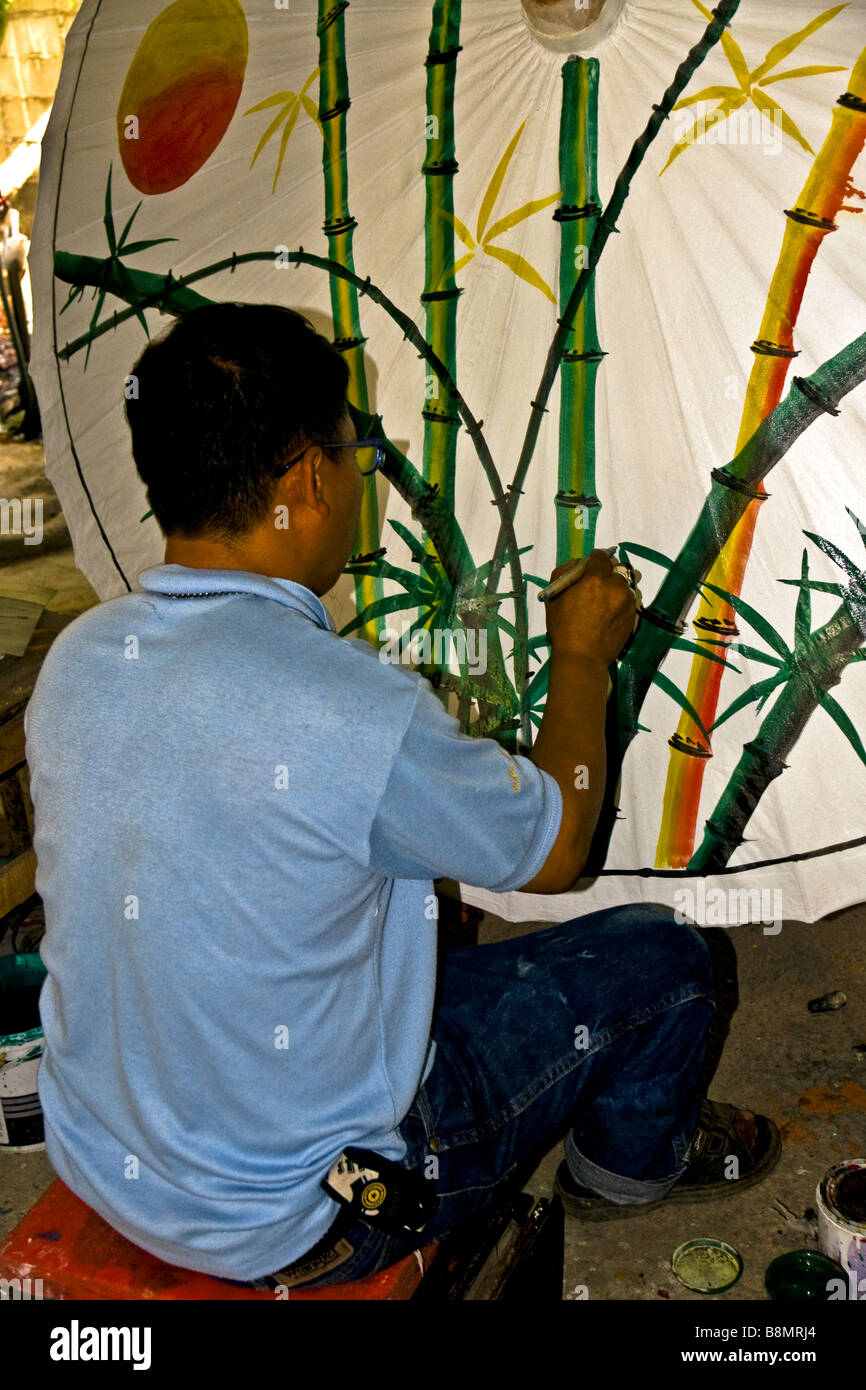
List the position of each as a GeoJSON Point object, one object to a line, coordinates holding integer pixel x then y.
{"type": "Point", "coordinates": [589, 624]}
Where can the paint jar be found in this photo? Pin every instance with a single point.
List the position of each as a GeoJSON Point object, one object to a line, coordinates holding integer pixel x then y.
{"type": "Point", "coordinates": [21, 1046]}
{"type": "Point", "coordinates": [803, 1274]}
{"type": "Point", "coordinates": [841, 1202]}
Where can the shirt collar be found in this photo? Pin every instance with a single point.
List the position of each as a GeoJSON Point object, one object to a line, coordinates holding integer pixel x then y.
{"type": "Point", "coordinates": [181, 580]}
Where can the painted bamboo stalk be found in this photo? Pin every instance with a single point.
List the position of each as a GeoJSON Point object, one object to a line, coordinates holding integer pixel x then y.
{"type": "Point", "coordinates": [576, 502]}
{"type": "Point", "coordinates": [339, 227]}
{"type": "Point", "coordinates": [732, 490]}
{"type": "Point", "coordinates": [441, 421]}
{"type": "Point", "coordinates": [807, 224]}
{"type": "Point", "coordinates": [606, 225]}
{"type": "Point", "coordinates": [819, 668]}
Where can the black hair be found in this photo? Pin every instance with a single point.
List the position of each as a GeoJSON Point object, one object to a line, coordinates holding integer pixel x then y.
{"type": "Point", "coordinates": [218, 402]}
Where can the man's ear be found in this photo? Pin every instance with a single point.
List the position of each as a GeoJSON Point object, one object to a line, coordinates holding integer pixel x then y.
{"type": "Point", "coordinates": [306, 482]}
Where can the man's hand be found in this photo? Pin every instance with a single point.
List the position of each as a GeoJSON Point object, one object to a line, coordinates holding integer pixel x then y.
{"type": "Point", "coordinates": [594, 617]}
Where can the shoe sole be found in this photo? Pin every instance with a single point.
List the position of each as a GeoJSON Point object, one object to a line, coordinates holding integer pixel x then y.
{"type": "Point", "coordinates": [708, 1192]}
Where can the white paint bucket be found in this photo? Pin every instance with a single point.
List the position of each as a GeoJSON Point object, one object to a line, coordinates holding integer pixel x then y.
{"type": "Point", "coordinates": [21, 1125]}
{"type": "Point", "coordinates": [841, 1201]}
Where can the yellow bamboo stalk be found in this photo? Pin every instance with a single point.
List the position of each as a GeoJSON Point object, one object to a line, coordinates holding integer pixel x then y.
{"type": "Point", "coordinates": [807, 224]}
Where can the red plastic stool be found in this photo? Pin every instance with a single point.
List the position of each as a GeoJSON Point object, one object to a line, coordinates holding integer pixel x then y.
{"type": "Point", "coordinates": [77, 1255]}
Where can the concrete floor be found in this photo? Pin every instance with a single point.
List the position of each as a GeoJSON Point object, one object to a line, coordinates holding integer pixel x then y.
{"type": "Point", "coordinates": [800, 1068]}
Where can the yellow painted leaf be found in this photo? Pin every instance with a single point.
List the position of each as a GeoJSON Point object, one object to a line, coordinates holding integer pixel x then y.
{"type": "Point", "coordinates": [707, 94]}
{"type": "Point", "coordinates": [495, 184]}
{"type": "Point", "coordinates": [735, 57]}
{"type": "Point", "coordinates": [520, 215]}
{"type": "Point", "coordinates": [458, 265]}
{"type": "Point", "coordinates": [799, 72]}
{"type": "Point", "coordinates": [460, 228]}
{"type": "Point", "coordinates": [270, 130]}
{"type": "Point", "coordinates": [765, 103]}
{"type": "Point", "coordinates": [312, 77]}
{"type": "Point", "coordinates": [707, 14]}
{"type": "Point", "coordinates": [521, 268]}
{"type": "Point", "coordinates": [312, 111]}
{"type": "Point", "coordinates": [290, 125]}
{"type": "Point", "coordinates": [726, 107]}
{"type": "Point", "coordinates": [279, 99]}
{"type": "Point", "coordinates": [781, 49]}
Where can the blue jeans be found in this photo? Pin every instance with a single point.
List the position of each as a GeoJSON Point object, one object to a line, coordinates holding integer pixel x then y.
{"type": "Point", "coordinates": [593, 1030]}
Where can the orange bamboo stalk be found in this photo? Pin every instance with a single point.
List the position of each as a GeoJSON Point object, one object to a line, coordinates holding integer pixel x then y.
{"type": "Point", "coordinates": [806, 226]}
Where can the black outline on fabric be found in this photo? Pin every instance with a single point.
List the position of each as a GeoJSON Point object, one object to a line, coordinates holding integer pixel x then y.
{"type": "Point", "coordinates": [732, 868]}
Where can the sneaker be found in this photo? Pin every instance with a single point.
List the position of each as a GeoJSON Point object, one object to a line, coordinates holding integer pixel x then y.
{"type": "Point", "coordinates": [722, 1132]}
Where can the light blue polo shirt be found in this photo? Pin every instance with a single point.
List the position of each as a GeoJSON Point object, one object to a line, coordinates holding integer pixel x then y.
{"type": "Point", "coordinates": [239, 816]}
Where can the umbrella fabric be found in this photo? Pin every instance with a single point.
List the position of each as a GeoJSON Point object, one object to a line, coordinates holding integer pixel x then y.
{"type": "Point", "coordinates": [446, 148]}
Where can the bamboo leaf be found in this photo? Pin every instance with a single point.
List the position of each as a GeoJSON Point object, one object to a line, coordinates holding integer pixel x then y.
{"type": "Point", "coordinates": [505, 223]}
{"type": "Point", "coordinates": [753, 653]}
{"type": "Point", "coordinates": [729, 105]}
{"type": "Point", "coordinates": [279, 99]}
{"type": "Point", "coordinates": [460, 228]}
{"type": "Point", "coordinates": [731, 48]}
{"type": "Point", "coordinates": [838, 557]}
{"type": "Point", "coordinates": [754, 619]}
{"type": "Point", "coordinates": [755, 692]}
{"type": "Point", "coordinates": [818, 586]}
{"type": "Point", "coordinates": [457, 266]}
{"type": "Point", "coordinates": [781, 49]}
{"type": "Point", "coordinates": [765, 103]}
{"type": "Point", "coordinates": [108, 219]}
{"type": "Point", "coordinates": [135, 246]}
{"type": "Point", "coordinates": [269, 132]}
{"type": "Point", "coordinates": [393, 604]}
{"type": "Point", "coordinates": [860, 527]}
{"type": "Point", "coordinates": [310, 80]}
{"type": "Point", "coordinates": [803, 615]}
{"type": "Point", "coordinates": [800, 72]}
{"type": "Point", "coordinates": [644, 552]}
{"type": "Point", "coordinates": [495, 184]}
{"type": "Point", "coordinates": [290, 125]}
{"type": "Point", "coordinates": [684, 645]}
{"type": "Point", "coordinates": [415, 546]}
{"type": "Point", "coordinates": [537, 688]}
{"type": "Point", "coordinates": [836, 712]}
{"type": "Point", "coordinates": [125, 232]}
{"type": "Point", "coordinates": [707, 94]}
{"type": "Point", "coordinates": [735, 57]}
{"type": "Point", "coordinates": [662, 681]}
{"type": "Point", "coordinates": [521, 268]}
{"type": "Point", "coordinates": [483, 570]}
{"type": "Point", "coordinates": [312, 111]}
{"type": "Point", "coordinates": [707, 14]}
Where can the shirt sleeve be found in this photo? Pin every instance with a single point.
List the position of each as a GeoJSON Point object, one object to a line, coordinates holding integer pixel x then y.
{"type": "Point", "coordinates": [462, 808]}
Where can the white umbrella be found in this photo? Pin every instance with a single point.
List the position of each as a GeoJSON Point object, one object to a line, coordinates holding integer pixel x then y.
{"type": "Point", "coordinates": [471, 169]}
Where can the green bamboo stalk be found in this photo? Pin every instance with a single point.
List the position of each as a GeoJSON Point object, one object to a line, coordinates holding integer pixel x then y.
{"type": "Point", "coordinates": [578, 216]}
{"type": "Point", "coordinates": [723, 14]}
{"type": "Point", "coordinates": [819, 668]}
{"type": "Point", "coordinates": [339, 227]}
{"type": "Point", "coordinates": [733, 488]}
{"type": "Point", "coordinates": [441, 421]}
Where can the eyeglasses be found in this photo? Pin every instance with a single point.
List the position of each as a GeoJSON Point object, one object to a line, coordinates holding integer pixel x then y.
{"type": "Point", "coordinates": [368, 445]}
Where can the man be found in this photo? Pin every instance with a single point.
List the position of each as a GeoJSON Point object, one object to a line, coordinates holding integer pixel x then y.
{"type": "Point", "coordinates": [239, 818]}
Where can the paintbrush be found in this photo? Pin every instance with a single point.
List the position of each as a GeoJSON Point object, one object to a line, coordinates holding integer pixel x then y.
{"type": "Point", "coordinates": [564, 581]}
